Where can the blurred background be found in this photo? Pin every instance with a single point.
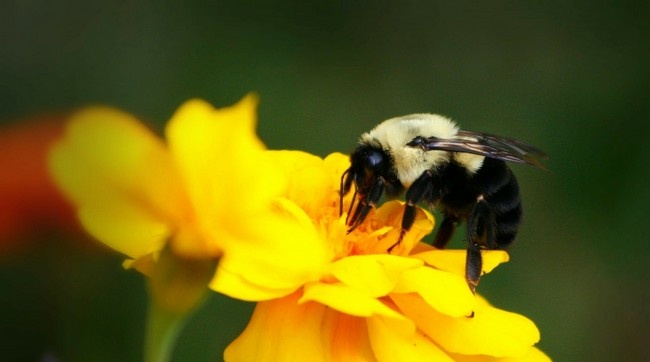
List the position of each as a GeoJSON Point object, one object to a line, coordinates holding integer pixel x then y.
{"type": "Point", "coordinates": [572, 79]}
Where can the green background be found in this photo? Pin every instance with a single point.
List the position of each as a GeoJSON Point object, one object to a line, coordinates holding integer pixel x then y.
{"type": "Point", "coordinates": [571, 79]}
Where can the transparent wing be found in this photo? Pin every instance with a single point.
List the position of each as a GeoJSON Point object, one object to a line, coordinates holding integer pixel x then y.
{"type": "Point", "coordinates": [484, 144]}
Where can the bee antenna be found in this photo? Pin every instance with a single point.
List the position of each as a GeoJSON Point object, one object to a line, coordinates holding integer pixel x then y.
{"type": "Point", "coordinates": [341, 191]}
{"type": "Point", "coordinates": [354, 201]}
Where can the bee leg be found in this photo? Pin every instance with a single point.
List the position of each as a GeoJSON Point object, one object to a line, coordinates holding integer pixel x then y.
{"type": "Point", "coordinates": [366, 203]}
{"type": "Point", "coordinates": [447, 228]}
{"type": "Point", "coordinates": [473, 266]}
{"type": "Point", "coordinates": [420, 189]}
{"type": "Point", "coordinates": [480, 234]}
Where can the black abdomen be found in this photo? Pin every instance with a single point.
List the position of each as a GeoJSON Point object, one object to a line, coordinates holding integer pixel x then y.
{"type": "Point", "coordinates": [496, 188]}
{"type": "Point", "coordinates": [500, 190]}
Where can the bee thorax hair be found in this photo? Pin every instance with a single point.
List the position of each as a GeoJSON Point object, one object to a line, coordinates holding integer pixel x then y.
{"type": "Point", "coordinates": [393, 134]}
{"type": "Point", "coordinates": [470, 162]}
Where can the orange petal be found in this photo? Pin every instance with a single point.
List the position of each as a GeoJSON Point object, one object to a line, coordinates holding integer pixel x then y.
{"type": "Point", "coordinates": [281, 330]}
{"type": "Point", "coordinates": [384, 227]}
{"type": "Point", "coordinates": [346, 337]}
{"type": "Point", "coordinates": [30, 202]}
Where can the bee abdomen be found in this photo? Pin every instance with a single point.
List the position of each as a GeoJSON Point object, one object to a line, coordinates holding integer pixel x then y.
{"type": "Point", "coordinates": [507, 226]}
{"type": "Point", "coordinates": [505, 203]}
{"type": "Point", "coordinates": [505, 198]}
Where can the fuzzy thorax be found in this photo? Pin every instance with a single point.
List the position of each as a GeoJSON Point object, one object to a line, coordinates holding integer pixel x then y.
{"type": "Point", "coordinates": [409, 163]}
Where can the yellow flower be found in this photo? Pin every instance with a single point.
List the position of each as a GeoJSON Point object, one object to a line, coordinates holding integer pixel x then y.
{"type": "Point", "coordinates": [368, 305]}
{"type": "Point", "coordinates": [208, 193]}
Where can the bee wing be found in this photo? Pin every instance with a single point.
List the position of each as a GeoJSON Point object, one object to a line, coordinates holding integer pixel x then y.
{"type": "Point", "coordinates": [484, 144]}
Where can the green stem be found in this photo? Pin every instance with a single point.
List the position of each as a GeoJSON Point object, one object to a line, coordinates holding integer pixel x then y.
{"type": "Point", "coordinates": [177, 287]}
{"type": "Point", "coordinates": [163, 328]}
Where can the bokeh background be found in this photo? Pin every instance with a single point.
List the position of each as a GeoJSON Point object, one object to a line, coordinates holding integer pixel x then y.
{"type": "Point", "coordinates": [571, 78]}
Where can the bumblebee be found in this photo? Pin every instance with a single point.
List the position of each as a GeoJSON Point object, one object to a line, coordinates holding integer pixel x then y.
{"type": "Point", "coordinates": [463, 174]}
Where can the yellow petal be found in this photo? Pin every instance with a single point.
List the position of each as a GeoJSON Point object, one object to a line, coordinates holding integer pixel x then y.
{"type": "Point", "coordinates": [229, 177]}
{"type": "Point", "coordinates": [374, 275]}
{"type": "Point", "coordinates": [454, 260]}
{"type": "Point", "coordinates": [491, 331]}
{"type": "Point", "coordinates": [281, 330]}
{"type": "Point", "coordinates": [128, 230]}
{"type": "Point", "coordinates": [347, 300]}
{"type": "Point", "coordinates": [336, 163]}
{"type": "Point", "coordinates": [534, 355]}
{"type": "Point", "coordinates": [390, 345]}
{"type": "Point", "coordinates": [280, 251]}
{"type": "Point", "coordinates": [446, 292]}
{"type": "Point", "coordinates": [221, 160]}
{"type": "Point", "coordinates": [144, 265]}
{"type": "Point", "coordinates": [235, 286]}
{"type": "Point", "coordinates": [120, 176]}
{"type": "Point", "coordinates": [305, 174]}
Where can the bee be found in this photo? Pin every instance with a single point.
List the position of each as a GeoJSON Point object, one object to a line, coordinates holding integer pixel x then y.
{"type": "Point", "coordinates": [461, 173]}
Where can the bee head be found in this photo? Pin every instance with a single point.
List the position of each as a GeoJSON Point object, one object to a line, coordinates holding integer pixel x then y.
{"type": "Point", "coordinates": [371, 171]}
{"type": "Point", "coordinates": [367, 164]}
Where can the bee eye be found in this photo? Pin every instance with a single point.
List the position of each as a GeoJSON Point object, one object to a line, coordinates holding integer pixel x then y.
{"type": "Point", "coordinates": [374, 160]}
{"type": "Point", "coordinates": [417, 142]}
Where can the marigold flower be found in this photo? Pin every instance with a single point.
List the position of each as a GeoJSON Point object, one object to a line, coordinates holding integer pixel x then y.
{"type": "Point", "coordinates": [209, 192]}
{"type": "Point", "coordinates": [410, 305]}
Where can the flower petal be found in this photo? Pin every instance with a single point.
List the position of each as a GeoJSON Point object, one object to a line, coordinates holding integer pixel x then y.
{"type": "Point", "coordinates": [534, 355]}
{"type": "Point", "coordinates": [345, 337]}
{"type": "Point", "coordinates": [389, 344]}
{"type": "Point", "coordinates": [293, 252]}
{"type": "Point", "coordinates": [491, 331]}
{"type": "Point", "coordinates": [375, 275]}
{"type": "Point", "coordinates": [121, 177]}
{"type": "Point", "coordinates": [222, 163]}
{"type": "Point", "coordinates": [446, 292]}
{"type": "Point", "coordinates": [336, 163]}
{"type": "Point", "coordinates": [454, 260]}
{"type": "Point", "coordinates": [383, 229]}
{"type": "Point", "coordinates": [305, 173]}
{"type": "Point", "coordinates": [348, 300]}
{"type": "Point", "coordinates": [128, 230]}
{"type": "Point", "coordinates": [281, 330]}
{"type": "Point", "coordinates": [235, 286]}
